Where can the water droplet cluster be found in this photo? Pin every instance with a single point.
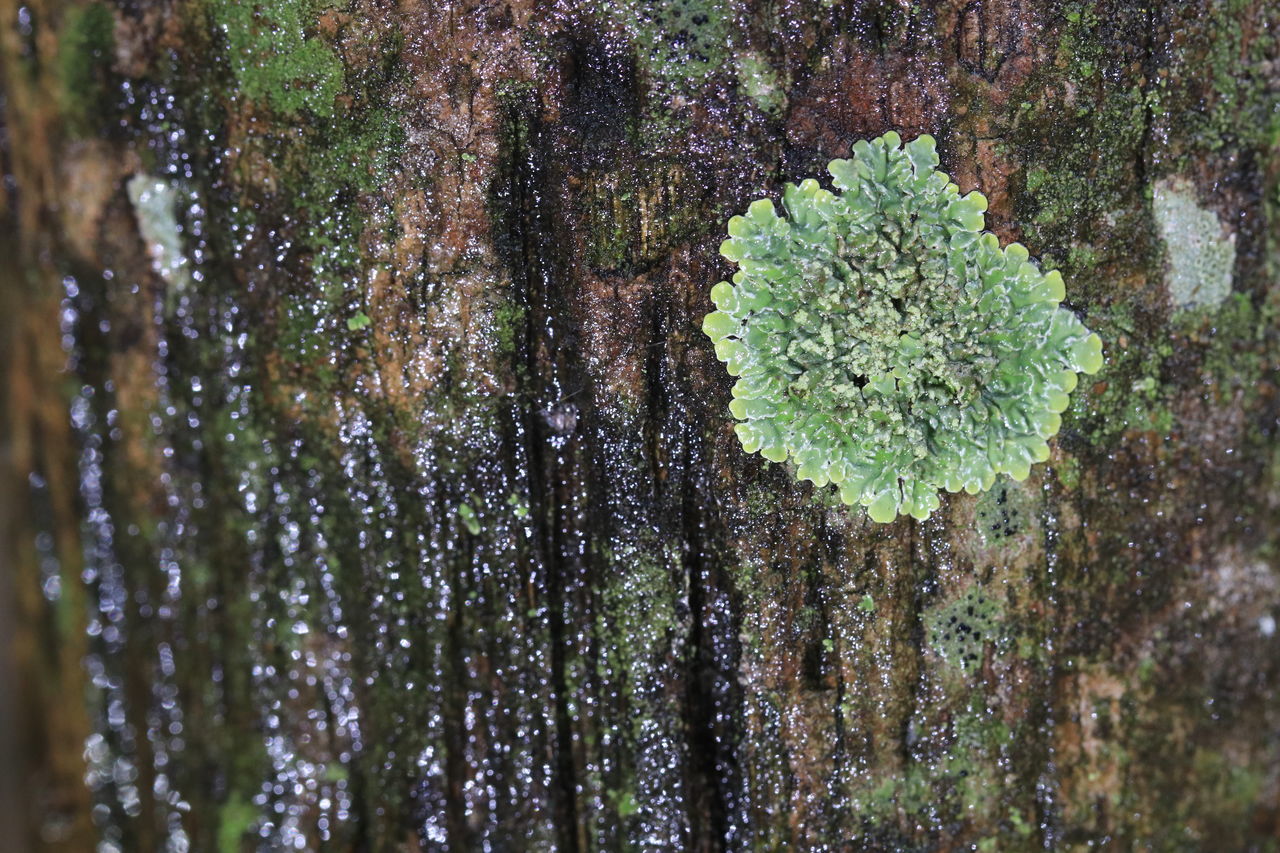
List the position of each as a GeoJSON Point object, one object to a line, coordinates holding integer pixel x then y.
{"type": "Point", "coordinates": [885, 343]}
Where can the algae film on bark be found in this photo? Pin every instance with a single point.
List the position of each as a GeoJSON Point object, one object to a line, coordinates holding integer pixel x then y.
{"type": "Point", "coordinates": [885, 343]}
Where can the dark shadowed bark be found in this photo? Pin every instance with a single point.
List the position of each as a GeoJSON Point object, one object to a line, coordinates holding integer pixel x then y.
{"type": "Point", "coordinates": [368, 484]}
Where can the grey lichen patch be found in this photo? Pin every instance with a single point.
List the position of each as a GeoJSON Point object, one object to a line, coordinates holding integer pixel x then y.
{"type": "Point", "coordinates": [275, 55]}
{"type": "Point", "coordinates": [1201, 252]}
{"type": "Point", "coordinates": [959, 630]}
{"type": "Point", "coordinates": [887, 344]}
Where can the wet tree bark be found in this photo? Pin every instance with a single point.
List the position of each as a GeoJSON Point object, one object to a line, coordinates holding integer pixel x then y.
{"type": "Point", "coordinates": [368, 484]}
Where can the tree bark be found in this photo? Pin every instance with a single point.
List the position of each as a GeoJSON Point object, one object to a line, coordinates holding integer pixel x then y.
{"type": "Point", "coordinates": [369, 485]}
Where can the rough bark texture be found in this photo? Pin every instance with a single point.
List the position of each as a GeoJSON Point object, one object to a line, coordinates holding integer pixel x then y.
{"type": "Point", "coordinates": [491, 571]}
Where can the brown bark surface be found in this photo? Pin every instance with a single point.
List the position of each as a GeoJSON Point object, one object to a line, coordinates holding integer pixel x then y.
{"type": "Point", "coordinates": [405, 513]}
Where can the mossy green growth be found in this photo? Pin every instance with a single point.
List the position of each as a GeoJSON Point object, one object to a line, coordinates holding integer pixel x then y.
{"type": "Point", "coordinates": [275, 58]}
{"type": "Point", "coordinates": [885, 343]}
{"type": "Point", "coordinates": [85, 50]}
{"type": "Point", "coordinates": [235, 819]}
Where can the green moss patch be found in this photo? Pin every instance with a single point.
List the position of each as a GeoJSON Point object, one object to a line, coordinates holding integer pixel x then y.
{"type": "Point", "coordinates": [85, 48]}
{"type": "Point", "coordinates": [276, 55]}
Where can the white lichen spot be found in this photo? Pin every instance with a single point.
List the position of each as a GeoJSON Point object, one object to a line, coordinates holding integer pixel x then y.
{"type": "Point", "coordinates": [154, 202]}
{"type": "Point", "coordinates": [1201, 252]}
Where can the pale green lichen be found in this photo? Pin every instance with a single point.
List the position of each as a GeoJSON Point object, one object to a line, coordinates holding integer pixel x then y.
{"type": "Point", "coordinates": [887, 344]}
{"type": "Point", "coordinates": [1004, 513]}
{"type": "Point", "coordinates": [154, 207]}
{"type": "Point", "coordinates": [759, 82]}
{"type": "Point", "coordinates": [959, 630]}
{"type": "Point", "coordinates": [1200, 255]}
{"type": "Point", "coordinates": [676, 40]}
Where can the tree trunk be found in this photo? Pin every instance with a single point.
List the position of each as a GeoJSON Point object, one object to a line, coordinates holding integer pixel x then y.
{"type": "Point", "coordinates": [368, 483]}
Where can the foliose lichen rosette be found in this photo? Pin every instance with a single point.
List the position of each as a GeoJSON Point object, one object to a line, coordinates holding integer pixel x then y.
{"type": "Point", "coordinates": [886, 343]}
